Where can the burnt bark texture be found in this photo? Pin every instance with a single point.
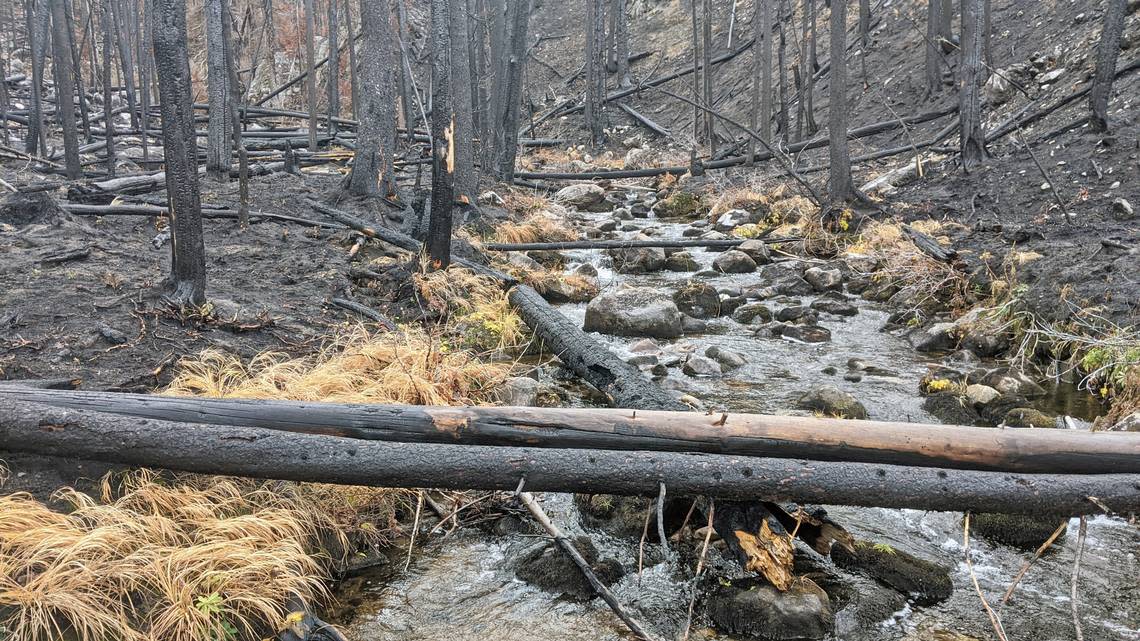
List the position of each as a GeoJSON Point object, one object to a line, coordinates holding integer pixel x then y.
{"type": "Point", "coordinates": [443, 138]}
{"type": "Point", "coordinates": [109, 123]}
{"type": "Point", "coordinates": [1107, 51]}
{"type": "Point", "coordinates": [840, 188]}
{"type": "Point", "coordinates": [311, 65]}
{"type": "Point", "coordinates": [260, 453]}
{"type": "Point", "coordinates": [761, 120]}
{"type": "Point", "coordinates": [466, 181]}
{"type": "Point", "coordinates": [507, 123]}
{"type": "Point", "coordinates": [218, 129]}
{"type": "Point", "coordinates": [64, 76]}
{"type": "Point", "coordinates": [708, 78]}
{"type": "Point", "coordinates": [375, 140]}
{"type": "Point", "coordinates": [126, 59]}
{"type": "Point", "coordinates": [352, 66]}
{"type": "Point", "coordinates": [972, 141]}
{"type": "Point", "coordinates": [620, 22]}
{"type": "Point", "coordinates": [333, 77]}
{"type": "Point", "coordinates": [864, 37]}
{"type": "Point", "coordinates": [933, 66]}
{"type": "Point", "coordinates": [595, 69]}
{"type": "Point", "coordinates": [172, 62]}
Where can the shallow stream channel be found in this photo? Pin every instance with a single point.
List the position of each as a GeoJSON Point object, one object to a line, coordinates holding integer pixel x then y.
{"type": "Point", "coordinates": [466, 587]}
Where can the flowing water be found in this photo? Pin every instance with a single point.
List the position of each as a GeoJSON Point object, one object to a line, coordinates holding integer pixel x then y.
{"type": "Point", "coordinates": [463, 588]}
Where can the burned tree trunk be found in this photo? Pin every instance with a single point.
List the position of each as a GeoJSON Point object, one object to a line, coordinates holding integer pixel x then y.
{"type": "Point", "coordinates": [864, 37]}
{"type": "Point", "coordinates": [512, 74]}
{"type": "Point", "coordinates": [706, 58]}
{"type": "Point", "coordinates": [782, 65]}
{"type": "Point", "coordinates": [77, 67]}
{"type": "Point", "coordinates": [933, 55]}
{"type": "Point", "coordinates": [620, 23]}
{"type": "Point", "coordinates": [807, 67]}
{"type": "Point", "coordinates": [105, 20]}
{"type": "Point", "coordinates": [972, 142]}
{"type": "Point", "coordinates": [839, 185]}
{"type": "Point", "coordinates": [311, 65]}
{"type": "Point", "coordinates": [37, 18]}
{"type": "Point", "coordinates": [217, 81]}
{"type": "Point", "coordinates": [761, 75]}
{"type": "Point", "coordinates": [126, 60]}
{"type": "Point", "coordinates": [376, 137]}
{"type": "Point", "coordinates": [334, 66]}
{"type": "Point", "coordinates": [352, 67]}
{"type": "Point", "coordinates": [1106, 54]}
{"type": "Point", "coordinates": [188, 251]}
{"type": "Point", "coordinates": [595, 69]}
{"type": "Point", "coordinates": [466, 182]}
{"type": "Point", "coordinates": [696, 87]}
{"type": "Point", "coordinates": [64, 76]}
{"type": "Point", "coordinates": [443, 138]}
{"type": "Point", "coordinates": [946, 26]}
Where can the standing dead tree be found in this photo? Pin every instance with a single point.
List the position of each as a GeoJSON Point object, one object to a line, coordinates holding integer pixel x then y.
{"type": "Point", "coordinates": [1106, 54]}
{"type": "Point", "coordinates": [839, 185]}
{"type": "Point", "coordinates": [443, 138]}
{"type": "Point", "coordinates": [376, 137]}
{"type": "Point", "coordinates": [218, 128]}
{"type": "Point", "coordinates": [806, 71]}
{"type": "Point", "coordinates": [933, 55]}
{"type": "Point", "coordinates": [595, 69]}
{"type": "Point", "coordinates": [64, 76]}
{"type": "Point", "coordinates": [507, 88]}
{"type": "Point", "coordinates": [172, 62]}
{"type": "Point", "coordinates": [761, 120]}
{"type": "Point", "coordinates": [333, 78]}
{"type": "Point", "coordinates": [707, 78]}
{"type": "Point", "coordinates": [311, 78]}
{"type": "Point", "coordinates": [36, 20]}
{"type": "Point", "coordinates": [466, 182]}
{"type": "Point", "coordinates": [972, 141]}
{"type": "Point", "coordinates": [620, 55]}
{"type": "Point", "coordinates": [105, 21]}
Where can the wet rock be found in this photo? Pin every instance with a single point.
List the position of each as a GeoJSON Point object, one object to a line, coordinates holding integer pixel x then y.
{"type": "Point", "coordinates": [792, 285]}
{"type": "Point", "coordinates": [713, 235]}
{"type": "Point", "coordinates": [582, 195]}
{"type": "Point", "coordinates": [729, 305]}
{"type": "Point", "coordinates": [1122, 209]}
{"type": "Point", "coordinates": [638, 260]}
{"type": "Point", "coordinates": [832, 401]}
{"type": "Point", "coordinates": [690, 325]}
{"type": "Point", "coordinates": [853, 377]}
{"type": "Point", "coordinates": [549, 569]}
{"type": "Point", "coordinates": [642, 360]}
{"type": "Point", "coordinates": [511, 524]}
{"type": "Point", "coordinates": [732, 219]}
{"type": "Point", "coordinates": [927, 583]}
{"type": "Point", "coordinates": [587, 270]}
{"type": "Point", "coordinates": [795, 312]}
{"type": "Point", "coordinates": [679, 203]}
{"type": "Point", "coordinates": [753, 609]}
{"type": "Point", "coordinates": [836, 307]}
{"type": "Point", "coordinates": [824, 280]}
{"type": "Point", "coordinates": [757, 250]}
{"type": "Point", "coordinates": [622, 213]}
{"type": "Point", "coordinates": [519, 391]}
{"type": "Point", "coordinates": [1015, 530]}
{"type": "Point", "coordinates": [805, 333]}
{"type": "Point", "coordinates": [984, 344]}
{"type": "Point", "coordinates": [701, 366]}
{"type": "Point", "coordinates": [1028, 417]}
{"type": "Point", "coordinates": [728, 359]}
{"type": "Point", "coordinates": [1130, 423]}
{"type": "Point", "coordinates": [681, 262]}
{"type": "Point", "coordinates": [697, 299]}
{"type": "Point", "coordinates": [995, 411]}
{"type": "Point", "coordinates": [1015, 383]}
{"type": "Point", "coordinates": [981, 394]}
{"type": "Point", "coordinates": [560, 291]}
{"type": "Point", "coordinates": [952, 409]}
{"type": "Point", "coordinates": [607, 226]}
{"type": "Point", "coordinates": [830, 370]}
{"type": "Point", "coordinates": [749, 312]}
{"type": "Point", "coordinates": [877, 291]}
{"type": "Point", "coordinates": [692, 232]}
{"type": "Point", "coordinates": [734, 262]}
{"type": "Point", "coordinates": [634, 311]}
{"type": "Point", "coordinates": [645, 346]}
{"type": "Point", "coordinates": [938, 337]}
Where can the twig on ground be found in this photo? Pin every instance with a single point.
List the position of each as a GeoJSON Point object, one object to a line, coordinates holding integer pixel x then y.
{"type": "Point", "coordinates": [994, 619]}
{"type": "Point", "coordinates": [1081, 532]}
{"type": "Point", "coordinates": [1037, 555]}
{"type": "Point", "coordinates": [661, 516]}
{"type": "Point", "coordinates": [415, 526]}
{"type": "Point", "coordinates": [700, 570]}
{"type": "Point", "coordinates": [1044, 174]}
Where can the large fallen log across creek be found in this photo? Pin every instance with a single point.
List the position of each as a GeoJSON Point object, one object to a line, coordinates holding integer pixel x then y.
{"type": "Point", "coordinates": [799, 437]}
{"type": "Point", "coordinates": [273, 454]}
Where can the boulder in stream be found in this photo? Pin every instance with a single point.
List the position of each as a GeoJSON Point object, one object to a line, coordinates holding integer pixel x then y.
{"type": "Point", "coordinates": [749, 312]}
{"type": "Point", "coordinates": [701, 366]}
{"type": "Point", "coordinates": [634, 311]}
{"type": "Point", "coordinates": [752, 609]}
{"type": "Point", "coordinates": [583, 196]}
{"type": "Point", "coordinates": [638, 260]}
{"type": "Point", "coordinates": [697, 299]}
{"type": "Point", "coordinates": [1022, 531]}
{"type": "Point", "coordinates": [803, 333]}
{"type": "Point", "coordinates": [824, 280]}
{"type": "Point", "coordinates": [548, 568]}
{"type": "Point", "coordinates": [927, 583]}
{"type": "Point", "coordinates": [831, 400]}
{"type": "Point", "coordinates": [734, 261]}
{"type": "Point", "coordinates": [757, 250]}
{"type": "Point", "coordinates": [681, 261]}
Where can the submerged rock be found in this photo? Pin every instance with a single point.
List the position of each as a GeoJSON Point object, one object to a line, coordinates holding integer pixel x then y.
{"type": "Point", "coordinates": [549, 569]}
{"type": "Point", "coordinates": [1028, 417]}
{"type": "Point", "coordinates": [1015, 530]}
{"type": "Point", "coordinates": [681, 262]}
{"type": "Point", "coordinates": [749, 312]}
{"type": "Point", "coordinates": [638, 260]}
{"type": "Point", "coordinates": [634, 311]}
{"type": "Point", "coordinates": [753, 609]}
{"type": "Point", "coordinates": [699, 300]}
{"type": "Point", "coordinates": [804, 333]}
{"type": "Point", "coordinates": [832, 401]}
{"type": "Point", "coordinates": [728, 359]}
{"type": "Point", "coordinates": [927, 583]}
{"type": "Point", "coordinates": [952, 409]}
{"type": "Point", "coordinates": [701, 366]}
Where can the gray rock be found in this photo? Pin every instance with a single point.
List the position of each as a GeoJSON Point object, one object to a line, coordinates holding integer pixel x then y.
{"type": "Point", "coordinates": [586, 269]}
{"type": "Point", "coordinates": [642, 360]}
{"type": "Point", "coordinates": [728, 359]}
{"type": "Point", "coordinates": [938, 337]}
{"type": "Point", "coordinates": [805, 333]}
{"type": "Point", "coordinates": [681, 262]}
{"type": "Point", "coordinates": [701, 366]}
{"type": "Point", "coordinates": [754, 609]}
{"type": "Point", "coordinates": [645, 346]}
{"type": "Point", "coordinates": [1122, 209]}
{"type": "Point", "coordinates": [1028, 417]}
{"type": "Point", "coordinates": [638, 260]}
{"type": "Point", "coordinates": [795, 312]}
{"type": "Point", "coordinates": [734, 262]}
{"type": "Point", "coordinates": [981, 394]}
{"type": "Point", "coordinates": [757, 250]}
{"type": "Point", "coordinates": [582, 195]}
{"type": "Point", "coordinates": [607, 225]}
{"type": "Point", "coordinates": [1014, 384]}
{"type": "Point", "coordinates": [1130, 423]}
{"type": "Point", "coordinates": [824, 280]}
{"type": "Point", "coordinates": [697, 299]}
{"type": "Point", "coordinates": [690, 325]}
{"type": "Point", "coordinates": [634, 311]}
{"type": "Point", "coordinates": [519, 391]}
{"type": "Point", "coordinates": [745, 314]}
{"type": "Point", "coordinates": [731, 219]}
{"type": "Point", "coordinates": [832, 401]}
{"type": "Point", "coordinates": [836, 307]}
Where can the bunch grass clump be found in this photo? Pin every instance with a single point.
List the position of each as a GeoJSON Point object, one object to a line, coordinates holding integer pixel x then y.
{"type": "Point", "coordinates": [535, 228]}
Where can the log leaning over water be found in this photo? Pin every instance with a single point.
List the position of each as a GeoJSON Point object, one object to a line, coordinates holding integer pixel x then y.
{"type": "Point", "coordinates": [268, 454]}
{"type": "Point", "coordinates": [801, 437]}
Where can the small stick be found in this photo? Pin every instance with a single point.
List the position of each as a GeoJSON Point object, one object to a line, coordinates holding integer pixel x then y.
{"type": "Point", "coordinates": [641, 545]}
{"type": "Point", "coordinates": [365, 311]}
{"type": "Point", "coordinates": [974, 577]}
{"type": "Point", "coordinates": [1048, 181]}
{"type": "Point", "coordinates": [1081, 532]}
{"type": "Point", "coordinates": [1037, 555]}
{"type": "Point", "coordinates": [415, 526]}
{"type": "Point", "coordinates": [700, 569]}
{"type": "Point", "coordinates": [568, 548]}
{"type": "Point", "coordinates": [661, 515]}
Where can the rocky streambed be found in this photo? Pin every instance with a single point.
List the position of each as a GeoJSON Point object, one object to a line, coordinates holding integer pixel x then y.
{"type": "Point", "coordinates": [762, 329]}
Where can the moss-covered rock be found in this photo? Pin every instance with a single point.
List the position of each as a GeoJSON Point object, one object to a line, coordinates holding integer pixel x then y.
{"type": "Point", "coordinates": [679, 204]}
{"type": "Point", "coordinates": [927, 583]}
{"type": "Point", "coordinates": [1015, 530]}
{"type": "Point", "coordinates": [548, 568]}
{"type": "Point", "coordinates": [753, 609]}
{"type": "Point", "coordinates": [1028, 417]}
{"type": "Point", "coordinates": [952, 409]}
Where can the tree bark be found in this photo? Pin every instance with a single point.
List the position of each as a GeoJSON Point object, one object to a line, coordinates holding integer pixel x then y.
{"type": "Point", "coordinates": [126, 60]}
{"type": "Point", "coordinates": [696, 87]}
{"type": "Point", "coordinates": [933, 55]}
{"type": "Point", "coordinates": [807, 58]}
{"type": "Point", "coordinates": [218, 90]}
{"type": "Point", "coordinates": [64, 76]}
{"type": "Point", "coordinates": [466, 181]}
{"type": "Point", "coordinates": [352, 67]}
{"type": "Point", "coordinates": [595, 70]}
{"type": "Point", "coordinates": [946, 25]}
{"type": "Point", "coordinates": [706, 57]}
{"type": "Point", "coordinates": [188, 251]}
{"type": "Point", "coordinates": [37, 17]}
{"type": "Point", "coordinates": [761, 121]}
{"type": "Point", "coordinates": [508, 126]}
{"type": "Point", "coordinates": [621, 41]}
{"type": "Point", "coordinates": [972, 141]}
{"type": "Point", "coordinates": [376, 138]}
{"type": "Point", "coordinates": [782, 64]}
{"type": "Point", "coordinates": [864, 37]}
{"type": "Point", "coordinates": [311, 65]}
{"type": "Point", "coordinates": [1107, 51]}
{"type": "Point", "coordinates": [261, 453]}
{"type": "Point", "coordinates": [840, 188]}
{"type": "Point", "coordinates": [105, 20]}
{"type": "Point", "coordinates": [77, 67]}
{"type": "Point", "coordinates": [443, 138]}
{"type": "Point", "coordinates": [333, 86]}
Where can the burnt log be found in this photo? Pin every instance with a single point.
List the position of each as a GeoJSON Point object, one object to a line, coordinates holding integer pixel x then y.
{"type": "Point", "coordinates": [270, 454]}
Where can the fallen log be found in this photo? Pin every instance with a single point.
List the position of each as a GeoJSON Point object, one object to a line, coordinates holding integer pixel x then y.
{"type": "Point", "coordinates": [207, 212]}
{"type": "Point", "coordinates": [643, 120]}
{"type": "Point", "coordinates": [929, 246]}
{"type": "Point", "coordinates": [43, 383]}
{"type": "Point", "coordinates": [623, 244]}
{"type": "Point", "coordinates": [804, 437]}
{"type": "Point", "coordinates": [269, 454]}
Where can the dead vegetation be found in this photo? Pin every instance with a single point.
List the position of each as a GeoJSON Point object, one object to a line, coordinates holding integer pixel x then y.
{"type": "Point", "coordinates": [538, 227]}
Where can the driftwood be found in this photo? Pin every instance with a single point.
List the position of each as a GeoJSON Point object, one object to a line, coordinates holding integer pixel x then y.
{"type": "Point", "coordinates": [806, 437]}
{"type": "Point", "coordinates": [259, 453]}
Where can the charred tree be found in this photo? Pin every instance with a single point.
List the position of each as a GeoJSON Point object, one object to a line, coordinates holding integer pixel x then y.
{"type": "Point", "coordinates": [334, 66]}
{"type": "Point", "coordinates": [946, 26]}
{"type": "Point", "coordinates": [933, 55]}
{"type": "Point", "coordinates": [408, 94]}
{"type": "Point", "coordinates": [518, 21]}
{"type": "Point", "coordinates": [109, 124]}
{"type": "Point", "coordinates": [77, 69]}
{"type": "Point", "coordinates": [595, 69]}
{"type": "Point", "coordinates": [311, 78]}
{"type": "Point", "coordinates": [864, 37]}
{"type": "Point", "coordinates": [351, 46]}
{"type": "Point", "coordinates": [376, 138]}
{"type": "Point", "coordinates": [840, 188]}
{"type": "Point", "coordinates": [620, 22]}
{"type": "Point", "coordinates": [218, 130]}
{"type": "Point", "coordinates": [37, 20]}
{"type": "Point", "coordinates": [172, 62]}
{"type": "Point", "coordinates": [762, 74]}
{"type": "Point", "coordinates": [707, 78]}
{"type": "Point", "coordinates": [807, 67]}
{"type": "Point", "coordinates": [64, 76]}
{"type": "Point", "coordinates": [972, 141]}
{"type": "Point", "coordinates": [1106, 55]}
{"type": "Point", "coordinates": [126, 59]}
{"type": "Point", "coordinates": [782, 65]}
{"type": "Point", "coordinates": [466, 182]}
{"type": "Point", "coordinates": [696, 87]}
{"type": "Point", "coordinates": [443, 138]}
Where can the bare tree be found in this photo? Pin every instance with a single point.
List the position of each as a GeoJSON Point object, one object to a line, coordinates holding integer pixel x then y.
{"type": "Point", "coordinates": [108, 121]}
{"type": "Point", "coordinates": [782, 65]}
{"type": "Point", "coordinates": [970, 80]}
{"type": "Point", "coordinates": [443, 138]}
{"type": "Point", "coordinates": [509, 85]}
{"type": "Point", "coordinates": [839, 184]}
{"type": "Point", "coordinates": [376, 137]}
{"type": "Point", "coordinates": [807, 67]}
{"type": "Point", "coordinates": [37, 18]}
{"type": "Point", "coordinates": [864, 37]}
{"type": "Point", "coordinates": [77, 68]}
{"type": "Point", "coordinates": [172, 62]}
{"type": "Point", "coordinates": [466, 182]}
{"type": "Point", "coordinates": [64, 76]}
{"type": "Point", "coordinates": [696, 71]}
{"type": "Point", "coordinates": [351, 45]}
{"type": "Point", "coordinates": [218, 129]}
{"type": "Point", "coordinates": [1106, 54]}
{"type": "Point", "coordinates": [761, 121]}
{"type": "Point", "coordinates": [933, 55]}
{"type": "Point", "coordinates": [946, 25]}
{"type": "Point", "coordinates": [595, 69]}
{"type": "Point", "coordinates": [311, 77]}
{"type": "Point", "coordinates": [706, 55]}
{"type": "Point", "coordinates": [334, 65]}
{"type": "Point", "coordinates": [620, 22]}
{"type": "Point", "coordinates": [126, 59]}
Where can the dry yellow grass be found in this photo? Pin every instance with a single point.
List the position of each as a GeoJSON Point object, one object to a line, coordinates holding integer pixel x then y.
{"type": "Point", "coordinates": [202, 559]}
{"type": "Point", "coordinates": [536, 228]}
{"type": "Point", "coordinates": [745, 198]}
